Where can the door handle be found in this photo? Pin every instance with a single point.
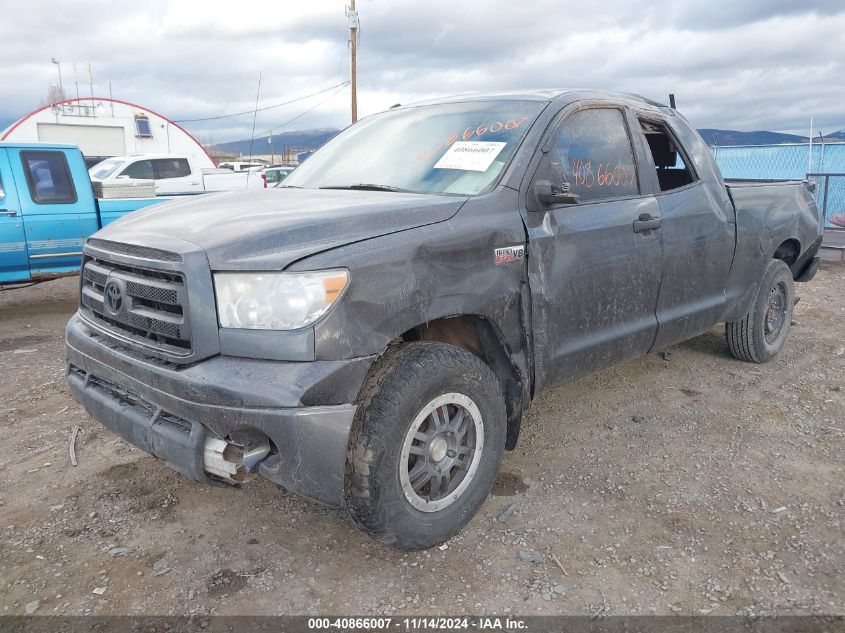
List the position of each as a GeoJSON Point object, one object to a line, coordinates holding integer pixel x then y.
{"type": "Point", "coordinates": [646, 223]}
{"type": "Point", "coordinates": [8, 213]}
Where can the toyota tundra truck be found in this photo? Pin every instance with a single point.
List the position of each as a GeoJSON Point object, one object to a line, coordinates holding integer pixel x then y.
{"type": "Point", "coordinates": [370, 334]}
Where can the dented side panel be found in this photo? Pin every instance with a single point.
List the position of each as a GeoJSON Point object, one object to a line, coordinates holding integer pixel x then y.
{"type": "Point", "coordinates": [594, 286]}
{"type": "Point", "coordinates": [409, 278]}
{"type": "Point", "coordinates": [769, 214]}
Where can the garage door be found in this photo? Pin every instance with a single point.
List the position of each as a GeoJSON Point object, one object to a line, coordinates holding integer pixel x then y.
{"type": "Point", "coordinates": [93, 140]}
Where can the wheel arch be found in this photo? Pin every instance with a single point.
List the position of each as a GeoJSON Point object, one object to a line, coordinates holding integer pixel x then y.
{"type": "Point", "coordinates": [481, 337]}
{"type": "Point", "coordinates": [789, 250]}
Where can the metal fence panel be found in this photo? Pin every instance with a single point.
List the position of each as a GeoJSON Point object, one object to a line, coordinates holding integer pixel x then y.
{"type": "Point", "coordinates": [758, 162]}
{"type": "Point", "coordinates": [831, 198]}
{"type": "Point", "coordinates": [826, 166]}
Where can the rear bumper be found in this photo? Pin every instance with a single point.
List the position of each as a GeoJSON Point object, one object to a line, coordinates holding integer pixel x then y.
{"type": "Point", "coordinates": [167, 410]}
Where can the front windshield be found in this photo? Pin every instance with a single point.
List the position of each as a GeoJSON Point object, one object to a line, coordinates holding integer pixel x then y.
{"type": "Point", "coordinates": [451, 148]}
{"type": "Point", "coordinates": [105, 168]}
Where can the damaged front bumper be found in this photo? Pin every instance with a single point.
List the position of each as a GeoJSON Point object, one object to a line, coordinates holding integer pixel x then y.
{"type": "Point", "coordinates": [171, 411]}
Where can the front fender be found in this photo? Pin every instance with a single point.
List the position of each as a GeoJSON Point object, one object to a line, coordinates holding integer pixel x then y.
{"type": "Point", "coordinates": [406, 279]}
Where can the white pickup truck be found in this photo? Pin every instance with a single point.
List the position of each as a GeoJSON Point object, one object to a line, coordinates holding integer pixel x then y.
{"type": "Point", "coordinates": [174, 174]}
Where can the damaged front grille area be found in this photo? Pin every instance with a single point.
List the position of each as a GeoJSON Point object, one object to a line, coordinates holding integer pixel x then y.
{"type": "Point", "coordinates": [187, 446]}
{"type": "Point", "coordinates": [145, 305]}
{"type": "Point", "coordinates": [132, 400]}
{"type": "Point", "coordinates": [122, 395]}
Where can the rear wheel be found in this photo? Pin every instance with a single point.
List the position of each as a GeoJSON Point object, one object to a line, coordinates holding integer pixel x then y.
{"type": "Point", "coordinates": [760, 334]}
{"type": "Point", "coordinates": [425, 445]}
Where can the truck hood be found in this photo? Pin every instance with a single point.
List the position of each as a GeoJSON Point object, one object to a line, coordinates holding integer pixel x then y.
{"type": "Point", "coordinates": [270, 229]}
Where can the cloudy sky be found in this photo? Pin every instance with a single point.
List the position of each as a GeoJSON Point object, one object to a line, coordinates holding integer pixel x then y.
{"type": "Point", "coordinates": [735, 64]}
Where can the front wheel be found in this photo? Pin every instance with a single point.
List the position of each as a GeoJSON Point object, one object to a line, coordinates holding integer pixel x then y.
{"type": "Point", "coordinates": [760, 334]}
{"type": "Point", "coordinates": [425, 445]}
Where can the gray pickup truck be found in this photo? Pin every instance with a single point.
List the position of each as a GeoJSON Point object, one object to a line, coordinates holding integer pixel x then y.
{"type": "Point", "coordinates": [370, 334]}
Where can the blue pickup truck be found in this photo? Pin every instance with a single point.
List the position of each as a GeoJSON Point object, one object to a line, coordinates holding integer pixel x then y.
{"type": "Point", "coordinates": [47, 209]}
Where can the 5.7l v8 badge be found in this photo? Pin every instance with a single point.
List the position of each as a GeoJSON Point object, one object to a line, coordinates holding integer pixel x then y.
{"type": "Point", "coordinates": [510, 253]}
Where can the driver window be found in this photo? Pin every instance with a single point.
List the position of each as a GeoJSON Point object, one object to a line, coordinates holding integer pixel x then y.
{"type": "Point", "coordinates": [592, 153]}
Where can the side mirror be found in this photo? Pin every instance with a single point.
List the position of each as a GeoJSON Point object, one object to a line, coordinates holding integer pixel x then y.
{"type": "Point", "coordinates": [549, 194]}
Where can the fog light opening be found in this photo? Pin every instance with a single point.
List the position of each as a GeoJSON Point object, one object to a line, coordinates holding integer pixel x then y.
{"type": "Point", "coordinates": [236, 458]}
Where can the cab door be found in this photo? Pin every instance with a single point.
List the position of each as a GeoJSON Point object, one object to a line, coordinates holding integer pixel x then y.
{"type": "Point", "coordinates": [594, 264]}
{"type": "Point", "coordinates": [698, 231]}
{"type": "Point", "coordinates": [14, 264]}
{"type": "Point", "coordinates": [57, 204]}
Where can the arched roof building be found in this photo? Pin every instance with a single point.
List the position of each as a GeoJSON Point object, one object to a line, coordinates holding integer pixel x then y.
{"type": "Point", "coordinates": [104, 127]}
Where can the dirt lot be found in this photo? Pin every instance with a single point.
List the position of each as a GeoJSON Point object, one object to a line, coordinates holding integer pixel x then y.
{"type": "Point", "coordinates": [725, 496]}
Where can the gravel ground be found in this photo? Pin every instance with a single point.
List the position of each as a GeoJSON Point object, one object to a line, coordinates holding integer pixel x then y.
{"type": "Point", "coordinates": [683, 482]}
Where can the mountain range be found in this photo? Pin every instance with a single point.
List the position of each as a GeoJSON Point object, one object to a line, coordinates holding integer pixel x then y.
{"type": "Point", "coordinates": [300, 139]}
{"type": "Point", "coordinates": [312, 139]}
{"type": "Point", "coordinates": [732, 137]}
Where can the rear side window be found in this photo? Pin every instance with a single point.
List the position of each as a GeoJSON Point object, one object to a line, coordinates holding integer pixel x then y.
{"type": "Point", "coordinates": [592, 153]}
{"type": "Point", "coordinates": [275, 175]}
{"type": "Point", "coordinates": [48, 177]}
{"type": "Point", "coordinates": [672, 170]}
{"type": "Point", "coordinates": [171, 168]}
{"type": "Point", "coordinates": [141, 169]}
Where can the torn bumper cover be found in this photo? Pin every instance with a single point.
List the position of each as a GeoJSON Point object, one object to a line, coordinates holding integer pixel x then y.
{"type": "Point", "coordinates": [170, 411]}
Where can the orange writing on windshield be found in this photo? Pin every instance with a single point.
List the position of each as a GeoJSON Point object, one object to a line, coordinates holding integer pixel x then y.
{"type": "Point", "coordinates": [470, 133]}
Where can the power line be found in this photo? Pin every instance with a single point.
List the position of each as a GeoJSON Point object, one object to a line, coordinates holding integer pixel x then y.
{"type": "Point", "coordinates": [254, 116]}
{"type": "Point", "coordinates": [314, 107]}
{"type": "Point", "coordinates": [353, 23]}
{"type": "Point", "coordinates": [270, 107]}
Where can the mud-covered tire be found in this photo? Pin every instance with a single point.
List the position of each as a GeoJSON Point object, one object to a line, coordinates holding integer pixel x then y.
{"type": "Point", "coordinates": [760, 335]}
{"type": "Point", "coordinates": [395, 397]}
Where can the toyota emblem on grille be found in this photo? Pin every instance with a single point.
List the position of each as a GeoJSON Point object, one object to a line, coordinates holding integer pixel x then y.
{"type": "Point", "coordinates": [113, 295]}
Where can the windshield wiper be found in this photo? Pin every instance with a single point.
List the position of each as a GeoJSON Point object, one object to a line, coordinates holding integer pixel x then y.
{"type": "Point", "coordinates": [369, 187]}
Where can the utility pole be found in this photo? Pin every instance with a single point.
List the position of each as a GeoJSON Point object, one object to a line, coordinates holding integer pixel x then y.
{"type": "Point", "coordinates": [76, 81]}
{"type": "Point", "coordinates": [59, 68]}
{"type": "Point", "coordinates": [352, 18]}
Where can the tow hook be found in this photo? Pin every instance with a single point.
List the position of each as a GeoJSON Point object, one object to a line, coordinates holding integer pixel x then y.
{"type": "Point", "coordinates": [235, 458]}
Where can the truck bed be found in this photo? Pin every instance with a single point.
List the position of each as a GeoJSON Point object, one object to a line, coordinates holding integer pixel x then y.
{"type": "Point", "coordinates": [776, 204]}
{"type": "Point", "coordinates": [740, 182]}
{"type": "Point", "coordinates": [767, 213]}
{"type": "Point", "coordinates": [773, 198]}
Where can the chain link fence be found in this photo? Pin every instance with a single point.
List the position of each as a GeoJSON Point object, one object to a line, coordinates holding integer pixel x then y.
{"type": "Point", "coordinates": [825, 164]}
{"type": "Point", "coordinates": [831, 198]}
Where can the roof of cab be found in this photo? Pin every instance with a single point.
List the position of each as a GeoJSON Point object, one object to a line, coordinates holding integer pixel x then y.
{"type": "Point", "coordinates": [37, 146]}
{"type": "Point", "coordinates": [148, 156]}
{"type": "Point", "coordinates": [547, 95]}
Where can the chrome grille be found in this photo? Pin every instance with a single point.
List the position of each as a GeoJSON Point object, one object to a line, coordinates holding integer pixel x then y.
{"type": "Point", "coordinates": [147, 305]}
{"type": "Point", "coordinates": [93, 303]}
{"type": "Point", "coordinates": [152, 293]}
{"type": "Point", "coordinates": [134, 251]}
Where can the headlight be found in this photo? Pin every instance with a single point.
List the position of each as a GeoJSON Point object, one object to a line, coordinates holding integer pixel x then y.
{"type": "Point", "coordinates": [276, 301]}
